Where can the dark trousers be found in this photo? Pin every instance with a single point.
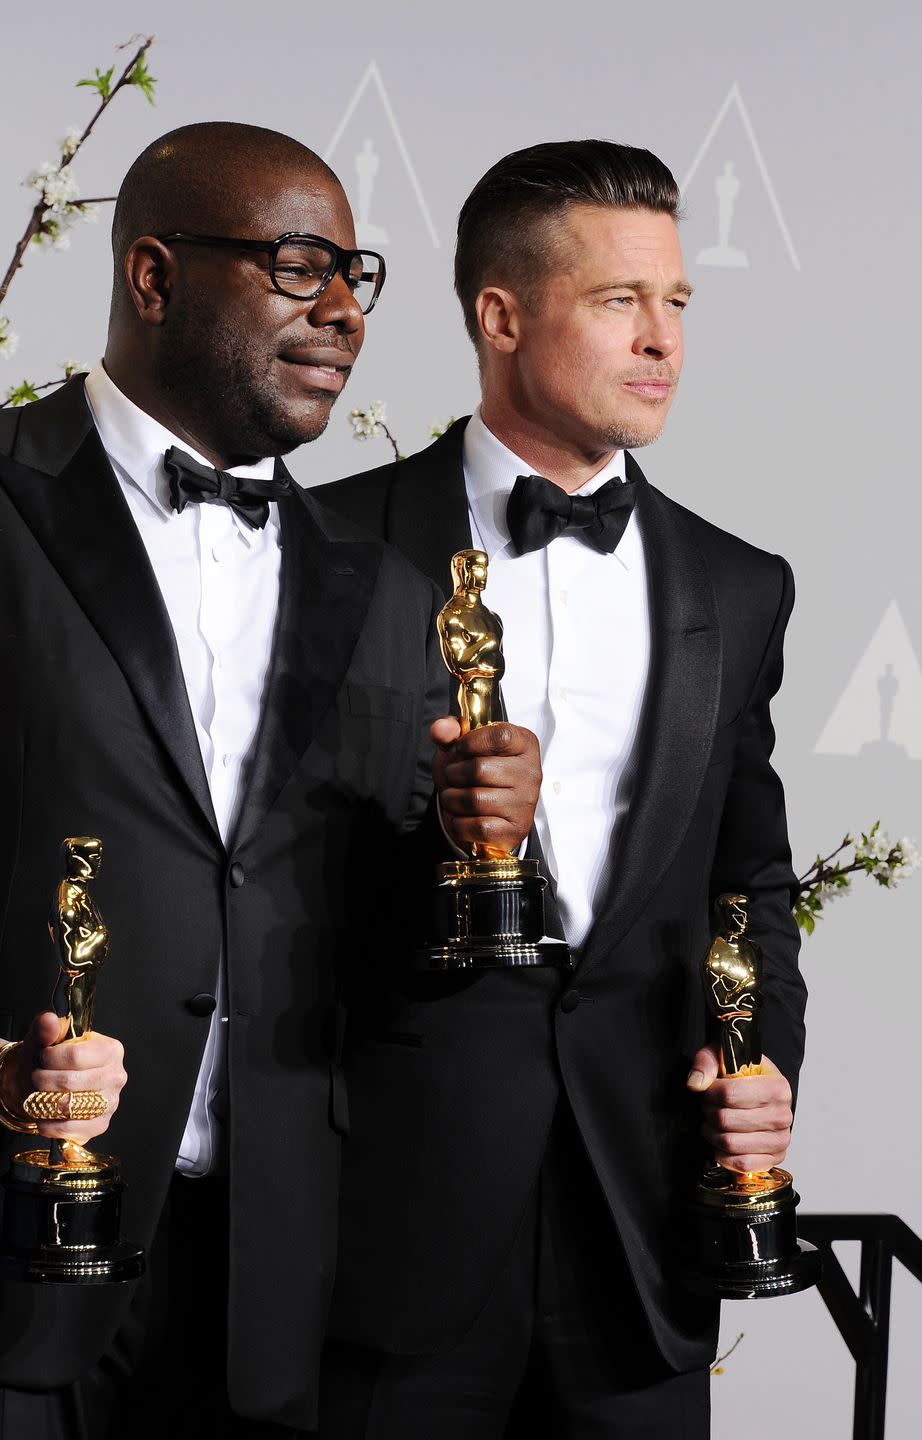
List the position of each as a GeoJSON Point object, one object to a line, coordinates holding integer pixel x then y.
{"type": "Point", "coordinates": [562, 1349]}
{"type": "Point", "coordinates": [165, 1373]}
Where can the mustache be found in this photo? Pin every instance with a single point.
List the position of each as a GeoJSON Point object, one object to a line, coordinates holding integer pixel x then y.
{"type": "Point", "coordinates": [645, 373]}
{"type": "Point", "coordinates": [317, 340]}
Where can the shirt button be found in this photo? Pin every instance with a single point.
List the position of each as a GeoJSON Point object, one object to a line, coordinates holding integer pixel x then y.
{"type": "Point", "coordinates": [556, 787]}
{"type": "Point", "coordinates": [202, 1004]}
{"type": "Point", "coordinates": [216, 554]}
{"type": "Point", "coordinates": [564, 596]}
{"type": "Point", "coordinates": [569, 1002]}
{"type": "Point", "coordinates": [236, 875]}
{"type": "Point", "coordinates": [226, 760]}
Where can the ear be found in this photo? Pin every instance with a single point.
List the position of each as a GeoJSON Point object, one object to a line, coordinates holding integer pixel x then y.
{"type": "Point", "coordinates": [150, 273]}
{"type": "Point", "coordinates": [499, 317]}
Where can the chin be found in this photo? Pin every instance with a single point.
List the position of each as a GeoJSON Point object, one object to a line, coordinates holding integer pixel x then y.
{"type": "Point", "coordinates": [286, 431]}
{"type": "Point", "coordinates": [627, 435]}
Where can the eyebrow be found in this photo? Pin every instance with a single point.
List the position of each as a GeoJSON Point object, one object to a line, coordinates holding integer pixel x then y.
{"type": "Point", "coordinates": [642, 287]}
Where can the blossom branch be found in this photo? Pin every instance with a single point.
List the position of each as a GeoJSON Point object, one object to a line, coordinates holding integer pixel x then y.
{"type": "Point", "coordinates": [25, 392]}
{"type": "Point", "coordinates": [22, 394]}
{"type": "Point", "coordinates": [134, 73]}
{"type": "Point", "coordinates": [371, 423]}
{"type": "Point", "coordinates": [886, 861]}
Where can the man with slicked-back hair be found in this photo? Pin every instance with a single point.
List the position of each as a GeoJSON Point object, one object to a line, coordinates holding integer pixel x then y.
{"type": "Point", "coordinates": [523, 1145]}
{"type": "Point", "coordinates": [238, 695]}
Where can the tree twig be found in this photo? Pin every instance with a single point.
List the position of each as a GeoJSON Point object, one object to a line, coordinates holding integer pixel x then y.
{"type": "Point", "coordinates": [715, 1368]}
{"type": "Point", "coordinates": [41, 208]}
{"type": "Point", "coordinates": [106, 101]}
{"type": "Point", "coordinates": [45, 385]}
{"type": "Point", "coordinates": [819, 864]}
{"type": "Point", "coordinates": [397, 455]}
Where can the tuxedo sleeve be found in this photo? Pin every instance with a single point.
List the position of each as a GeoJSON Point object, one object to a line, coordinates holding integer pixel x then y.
{"type": "Point", "coordinates": [422, 807]}
{"type": "Point", "coordinates": [753, 855]}
{"type": "Point", "coordinates": [422, 842]}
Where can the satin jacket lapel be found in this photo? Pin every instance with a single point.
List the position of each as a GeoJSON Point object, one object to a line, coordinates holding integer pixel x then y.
{"type": "Point", "coordinates": [325, 590]}
{"type": "Point", "coordinates": [427, 511]}
{"type": "Point", "coordinates": [680, 715]}
{"type": "Point", "coordinates": [78, 514]}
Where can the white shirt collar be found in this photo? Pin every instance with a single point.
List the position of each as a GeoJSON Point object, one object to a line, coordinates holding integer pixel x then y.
{"type": "Point", "coordinates": [490, 471]}
{"type": "Point", "coordinates": [136, 443]}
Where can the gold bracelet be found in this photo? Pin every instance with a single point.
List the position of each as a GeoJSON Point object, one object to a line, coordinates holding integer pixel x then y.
{"type": "Point", "coordinates": [7, 1119]}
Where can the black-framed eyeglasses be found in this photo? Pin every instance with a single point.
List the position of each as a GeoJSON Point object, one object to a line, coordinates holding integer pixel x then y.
{"type": "Point", "coordinates": [302, 266]}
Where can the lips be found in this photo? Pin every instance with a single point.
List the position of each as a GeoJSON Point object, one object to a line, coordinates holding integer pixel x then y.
{"type": "Point", "coordinates": [319, 367]}
{"type": "Point", "coordinates": [651, 389]}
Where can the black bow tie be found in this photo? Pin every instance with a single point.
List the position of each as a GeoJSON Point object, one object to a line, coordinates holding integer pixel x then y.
{"type": "Point", "coordinates": [538, 512]}
{"type": "Point", "coordinates": [248, 498]}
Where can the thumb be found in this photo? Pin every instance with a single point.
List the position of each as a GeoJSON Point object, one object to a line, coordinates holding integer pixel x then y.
{"type": "Point", "coordinates": [47, 1029]}
{"type": "Point", "coordinates": [704, 1069]}
{"type": "Point", "coordinates": [446, 730]}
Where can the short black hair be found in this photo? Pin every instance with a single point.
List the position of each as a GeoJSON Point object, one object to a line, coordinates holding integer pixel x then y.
{"type": "Point", "coordinates": [503, 224]}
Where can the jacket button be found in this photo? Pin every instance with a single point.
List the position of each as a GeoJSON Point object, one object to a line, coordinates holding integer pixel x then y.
{"type": "Point", "coordinates": [202, 1004]}
{"type": "Point", "coordinates": [236, 875]}
{"type": "Point", "coordinates": [569, 1001]}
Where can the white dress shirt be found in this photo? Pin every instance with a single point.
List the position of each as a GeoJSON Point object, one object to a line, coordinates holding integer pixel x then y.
{"type": "Point", "coordinates": [220, 581]}
{"type": "Point", "coordinates": [576, 641]}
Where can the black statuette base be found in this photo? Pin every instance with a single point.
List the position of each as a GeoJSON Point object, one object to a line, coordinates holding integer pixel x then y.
{"type": "Point", "coordinates": [744, 1246]}
{"type": "Point", "coordinates": [489, 914]}
{"type": "Point", "coordinates": [61, 1224]}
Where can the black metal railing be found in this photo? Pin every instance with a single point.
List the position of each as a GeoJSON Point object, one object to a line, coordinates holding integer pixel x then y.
{"type": "Point", "coordinates": [863, 1318]}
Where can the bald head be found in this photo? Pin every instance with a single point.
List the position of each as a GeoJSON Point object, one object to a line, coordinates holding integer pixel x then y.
{"type": "Point", "coordinates": [200, 334]}
{"type": "Point", "coordinates": [205, 179]}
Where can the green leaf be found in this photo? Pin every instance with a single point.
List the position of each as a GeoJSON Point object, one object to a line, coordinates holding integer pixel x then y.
{"type": "Point", "coordinates": [141, 76]}
{"type": "Point", "coordinates": [101, 82]}
{"type": "Point", "coordinates": [22, 394]}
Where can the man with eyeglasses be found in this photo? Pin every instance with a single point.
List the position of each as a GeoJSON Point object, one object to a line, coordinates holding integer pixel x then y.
{"type": "Point", "coordinates": [234, 692]}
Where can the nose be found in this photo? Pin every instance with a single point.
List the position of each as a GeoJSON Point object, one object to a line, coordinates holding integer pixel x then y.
{"type": "Point", "coordinates": [337, 307]}
{"type": "Point", "coordinates": [658, 336]}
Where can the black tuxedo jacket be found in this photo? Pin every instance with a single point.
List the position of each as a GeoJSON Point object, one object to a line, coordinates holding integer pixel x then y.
{"type": "Point", "coordinates": [452, 1088]}
{"type": "Point", "coordinates": [97, 737]}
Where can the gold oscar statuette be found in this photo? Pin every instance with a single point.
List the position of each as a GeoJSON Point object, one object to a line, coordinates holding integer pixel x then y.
{"type": "Point", "coordinates": [743, 1241]}
{"type": "Point", "coordinates": [62, 1204]}
{"type": "Point", "coordinates": [488, 907]}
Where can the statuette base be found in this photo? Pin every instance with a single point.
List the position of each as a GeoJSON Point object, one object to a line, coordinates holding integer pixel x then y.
{"type": "Point", "coordinates": [743, 1243]}
{"type": "Point", "coordinates": [489, 914]}
{"type": "Point", "coordinates": [61, 1223]}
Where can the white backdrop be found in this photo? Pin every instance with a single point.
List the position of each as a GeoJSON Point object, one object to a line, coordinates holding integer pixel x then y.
{"type": "Point", "coordinates": [795, 425]}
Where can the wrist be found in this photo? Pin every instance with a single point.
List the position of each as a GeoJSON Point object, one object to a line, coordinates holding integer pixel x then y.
{"type": "Point", "coordinates": [9, 1106]}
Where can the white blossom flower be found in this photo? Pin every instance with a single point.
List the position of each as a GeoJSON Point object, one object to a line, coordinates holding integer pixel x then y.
{"type": "Point", "coordinates": [828, 890]}
{"type": "Point", "coordinates": [910, 858]}
{"type": "Point", "coordinates": [9, 340]}
{"type": "Point", "coordinates": [369, 424]}
{"type": "Point", "coordinates": [55, 184]}
{"type": "Point", "coordinates": [75, 367]}
{"type": "Point", "coordinates": [89, 213]}
{"type": "Point", "coordinates": [71, 141]}
{"type": "Point", "coordinates": [876, 847]}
